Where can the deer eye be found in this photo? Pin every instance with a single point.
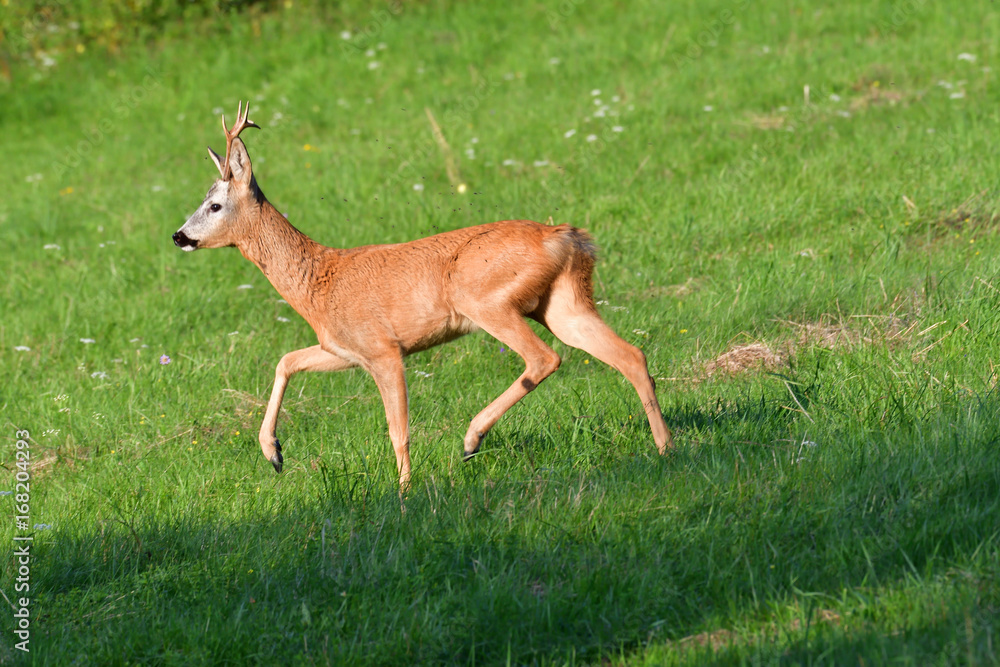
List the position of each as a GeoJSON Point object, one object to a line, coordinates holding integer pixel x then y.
{"type": "Point", "coordinates": [215, 208]}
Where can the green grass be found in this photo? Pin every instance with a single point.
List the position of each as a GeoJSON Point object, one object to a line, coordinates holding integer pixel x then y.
{"type": "Point", "coordinates": [839, 508]}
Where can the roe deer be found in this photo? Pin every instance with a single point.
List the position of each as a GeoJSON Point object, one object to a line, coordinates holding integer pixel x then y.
{"type": "Point", "coordinates": [372, 306]}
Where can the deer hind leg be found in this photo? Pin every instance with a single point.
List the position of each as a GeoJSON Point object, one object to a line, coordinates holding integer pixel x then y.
{"type": "Point", "coordinates": [388, 372]}
{"type": "Point", "coordinates": [574, 320]}
{"type": "Point", "coordinates": [540, 361]}
{"type": "Point", "coordinates": [308, 359]}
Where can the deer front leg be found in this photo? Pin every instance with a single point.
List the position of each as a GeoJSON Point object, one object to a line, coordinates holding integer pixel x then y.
{"type": "Point", "coordinates": [389, 375]}
{"type": "Point", "coordinates": [309, 359]}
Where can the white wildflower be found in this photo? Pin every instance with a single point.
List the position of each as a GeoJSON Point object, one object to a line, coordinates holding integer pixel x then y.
{"type": "Point", "coordinates": [595, 92]}
{"type": "Point", "coordinates": [373, 64]}
{"type": "Point", "coordinates": [87, 341]}
{"type": "Point", "coordinates": [569, 133]}
{"type": "Point", "coordinates": [100, 375]}
{"type": "Point", "coordinates": [282, 319]}
{"type": "Point", "coordinates": [591, 137]}
{"type": "Point", "coordinates": [541, 163]}
{"type": "Point", "coordinates": [245, 287]}
{"type": "Point", "coordinates": [617, 128]}
{"type": "Point", "coordinates": [345, 34]}
{"type": "Point", "coordinates": [22, 348]}
{"type": "Point", "coordinates": [967, 57]}
{"type": "Point", "coordinates": [51, 246]}
{"type": "Point", "coordinates": [419, 187]}
{"type": "Point", "coordinates": [707, 107]}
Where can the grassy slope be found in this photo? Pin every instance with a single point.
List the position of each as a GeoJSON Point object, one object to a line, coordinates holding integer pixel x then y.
{"type": "Point", "coordinates": [567, 539]}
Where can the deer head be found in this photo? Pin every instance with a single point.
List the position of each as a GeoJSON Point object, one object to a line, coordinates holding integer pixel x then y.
{"type": "Point", "coordinates": [217, 222]}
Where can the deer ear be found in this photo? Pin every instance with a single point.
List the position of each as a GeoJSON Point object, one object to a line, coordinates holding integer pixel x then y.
{"type": "Point", "coordinates": [239, 162]}
{"type": "Point", "coordinates": [216, 159]}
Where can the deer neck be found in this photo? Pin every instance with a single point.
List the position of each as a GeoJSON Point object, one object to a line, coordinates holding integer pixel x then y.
{"type": "Point", "coordinates": [287, 257]}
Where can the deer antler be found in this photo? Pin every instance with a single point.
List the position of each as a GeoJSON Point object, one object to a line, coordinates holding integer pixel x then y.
{"type": "Point", "coordinates": [242, 122]}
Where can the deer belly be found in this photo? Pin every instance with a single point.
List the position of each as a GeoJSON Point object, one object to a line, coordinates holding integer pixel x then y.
{"type": "Point", "coordinates": [422, 334]}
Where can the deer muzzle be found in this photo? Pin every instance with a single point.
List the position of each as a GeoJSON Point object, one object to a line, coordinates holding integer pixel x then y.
{"type": "Point", "coordinates": [181, 240]}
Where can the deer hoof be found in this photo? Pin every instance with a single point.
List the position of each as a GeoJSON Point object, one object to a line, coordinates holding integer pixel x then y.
{"type": "Point", "coordinates": [469, 452]}
{"type": "Point", "coordinates": [277, 460]}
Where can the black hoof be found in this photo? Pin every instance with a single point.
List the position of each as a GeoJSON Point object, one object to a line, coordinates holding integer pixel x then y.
{"type": "Point", "coordinates": [466, 454]}
{"type": "Point", "coordinates": [276, 461]}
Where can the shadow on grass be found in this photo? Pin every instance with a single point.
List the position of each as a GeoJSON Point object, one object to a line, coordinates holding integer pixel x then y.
{"type": "Point", "coordinates": [541, 566]}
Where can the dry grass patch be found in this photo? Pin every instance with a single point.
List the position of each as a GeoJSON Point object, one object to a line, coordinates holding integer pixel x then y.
{"type": "Point", "coordinates": [743, 358]}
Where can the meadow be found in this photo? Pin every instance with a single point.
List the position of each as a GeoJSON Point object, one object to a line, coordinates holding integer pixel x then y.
{"type": "Point", "coordinates": [797, 215]}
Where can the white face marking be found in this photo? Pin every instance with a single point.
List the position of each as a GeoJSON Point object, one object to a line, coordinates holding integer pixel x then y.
{"type": "Point", "coordinates": [206, 222]}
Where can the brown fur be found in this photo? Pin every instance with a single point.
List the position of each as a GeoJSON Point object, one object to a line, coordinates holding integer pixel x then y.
{"type": "Point", "coordinates": [371, 306]}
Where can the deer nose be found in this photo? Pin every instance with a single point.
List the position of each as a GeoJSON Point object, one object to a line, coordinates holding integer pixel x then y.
{"type": "Point", "coordinates": [182, 241]}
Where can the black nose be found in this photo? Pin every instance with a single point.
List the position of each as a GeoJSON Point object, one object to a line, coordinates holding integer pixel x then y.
{"type": "Point", "coordinates": [182, 241]}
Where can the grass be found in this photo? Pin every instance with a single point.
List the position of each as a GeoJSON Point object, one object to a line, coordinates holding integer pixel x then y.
{"type": "Point", "coordinates": [839, 506]}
